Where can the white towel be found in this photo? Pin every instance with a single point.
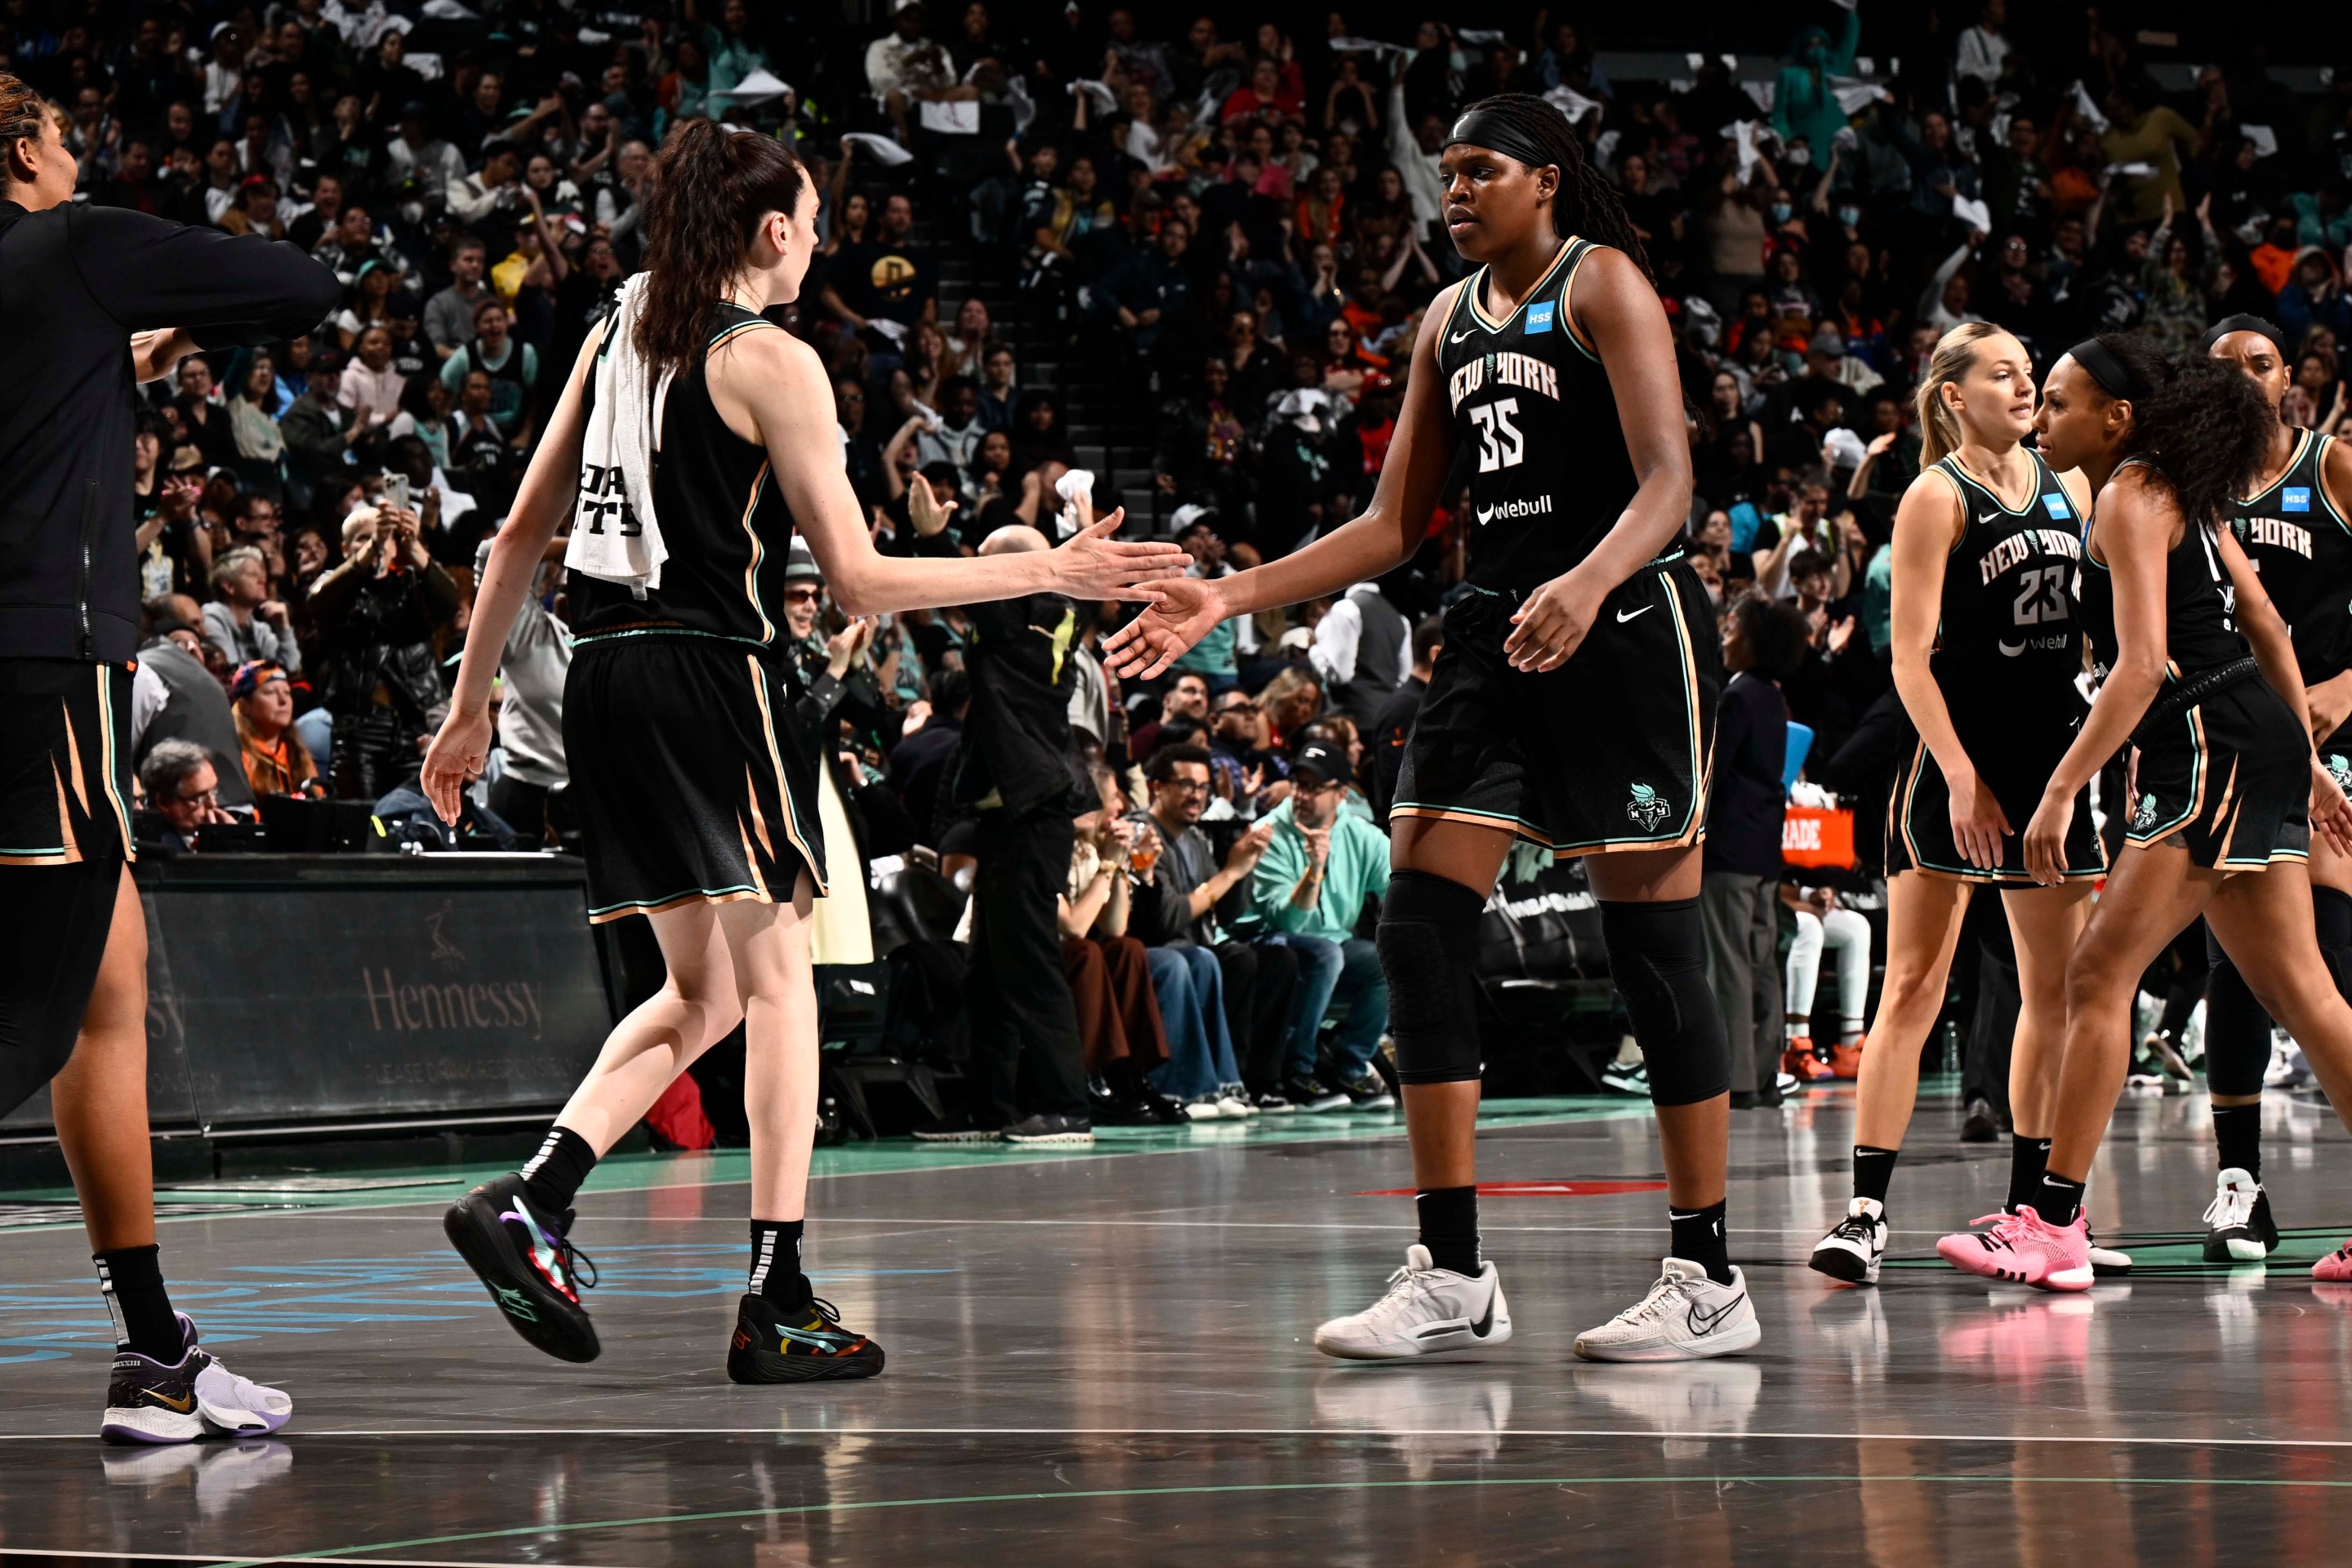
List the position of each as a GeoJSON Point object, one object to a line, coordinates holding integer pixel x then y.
{"type": "Point", "coordinates": [615, 533]}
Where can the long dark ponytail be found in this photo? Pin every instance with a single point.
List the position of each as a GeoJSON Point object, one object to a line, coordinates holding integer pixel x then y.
{"type": "Point", "coordinates": [2204, 424]}
{"type": "Point", "coordinates": [711, 188]}
{"type": "Point", "coordinates": [1586, 204]}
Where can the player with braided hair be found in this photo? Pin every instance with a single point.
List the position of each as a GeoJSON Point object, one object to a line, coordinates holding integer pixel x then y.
{"type": "Point", "coordinates": [1574, 709]}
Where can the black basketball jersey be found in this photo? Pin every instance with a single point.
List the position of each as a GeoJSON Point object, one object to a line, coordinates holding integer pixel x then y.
{"type": "Point", "coordinates": [2200, 624]}
{"type": "Point", "coordinates": [1532, 409]}
{"type": "Point", "coordinates": [725, 525]}
{"type": "Point", "coordinates": [2006, 633]}
{"type": "Point", "coordinates": [2303, 547]}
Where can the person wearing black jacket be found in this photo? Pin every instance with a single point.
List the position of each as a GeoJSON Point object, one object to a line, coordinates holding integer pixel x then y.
{"type": "Point", "coordinates": [1021, 774]}
{"type": "Point", "coordinates": [97, 300]}
{"type": "Point", "coordinates": [1384, 740]}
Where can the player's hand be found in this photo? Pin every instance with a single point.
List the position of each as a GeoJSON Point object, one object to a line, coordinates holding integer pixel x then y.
{"type": "Point", "coordinates": [1185, 610]}
{"type": "Point", "coordinates": [1978, 823]}
{"type": "Point", "coordinates": [1091, 565]}
{"type": "Point", "coordinates": [1552, 624]}
{"type": "Point", "coordinates": [2330, 814]}
{"type": "Point", "coordinates": [2329, 705]}
{"type": "Point", "coordinates": [455, 760]}
{"type": "Point", "coordinates": [2045, 839]}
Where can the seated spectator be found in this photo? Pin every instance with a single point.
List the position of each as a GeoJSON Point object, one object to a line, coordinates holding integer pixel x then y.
{"type": "Point", "coordinates": [182, 788]}
{"type": "Point", "coordinates": [317, 430]}
{"type": "Point", "coordinates": [372, 384]}
{"type": "Point", "coordinates": [449, 314]}
{"type": "Point", "coordinates": [243, 620]}
{"type": "Point", "coordinates": [204, 423]}
{"type": "Point", "coordinates": [1187, 698]}
{"type": "Point", "coordinates": [1308, 892]}
{"type": "Point", "coordinates": [1119, 1023]}
{"type": "Point", "coordinates": [958, 432]}
{"type": "Point", "coordinates": [275, 761]}
{"type": "Point", "coordinates": [1000, 391]}
{"type": "Point", "coordinates": [1392, 725]}
{"type": "Point", "coordinates": [175, 695]}
{"type": "Point", "coordinates": [513, 367]}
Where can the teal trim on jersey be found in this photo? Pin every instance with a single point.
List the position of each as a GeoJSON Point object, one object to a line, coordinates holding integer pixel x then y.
{"type": "Point", "coordinates": [1582, 248]}
{"type": "Point", "coordinates": [2319, 483]}
{"type": "Point", "coordinates": [1471, 290]}
{"type": "Point", "coordinates": [12, 852]}
{"type": "Point", "coordinates": [2303, 855]}
{"type": "Point", "coordinates": [671, 898]}
{"type": "Point", "coordinates": [2313, 446]}
{"type": "Point", "coordinates": [592, 639]}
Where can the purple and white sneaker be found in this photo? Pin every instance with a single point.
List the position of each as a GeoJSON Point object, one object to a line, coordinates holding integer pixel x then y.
{"type": "Point", "coordinates": [148, 1402]}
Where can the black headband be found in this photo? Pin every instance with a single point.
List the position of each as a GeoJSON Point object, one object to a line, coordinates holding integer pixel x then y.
{"type": "Point", "coordinates": [1485, 128]}
{"type": "Point", "coordinates": [2112, 375]}
{"type": "Point", "coordinates": [2243, 323]}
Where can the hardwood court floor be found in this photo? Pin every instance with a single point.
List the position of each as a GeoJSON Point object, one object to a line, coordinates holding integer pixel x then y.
{"type": "Point", "coordinates": [1104, 1358]}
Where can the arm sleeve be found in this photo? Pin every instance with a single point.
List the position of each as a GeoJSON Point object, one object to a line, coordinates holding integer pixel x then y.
{"type": "Point", "coordinates": [229, 291]}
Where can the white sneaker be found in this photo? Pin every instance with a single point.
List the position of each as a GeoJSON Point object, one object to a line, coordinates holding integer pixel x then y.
{"type": "Point", "coordinates": [2238, 1224]}
{"type": "Point", "coordinates": [1684, 1317]}
{"type": "Point", "coordinates": [1234, 1107]}
{"type": "Point", "coordinates": [1427, 1311]}
{"type": "Point", "coordinates": [2288, 1069]}
{"type": "Point", "coordinates": [1236, 1094]}
{"type": "Point", "coordinates": [1207, 1109]}
{"type": "Point", "coordinates": [1852, 1250]}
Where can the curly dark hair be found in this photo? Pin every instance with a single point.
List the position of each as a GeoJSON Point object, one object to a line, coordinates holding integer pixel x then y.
{"type": "Point", "coordinates": [1586, 204]}
{"type": "Point", "coordinates": [2203, 426]}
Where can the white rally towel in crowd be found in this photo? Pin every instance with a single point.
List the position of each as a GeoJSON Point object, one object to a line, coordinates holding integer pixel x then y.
{"type": "Point", "coordinates": [2264, 139]}
{"type": "Point", "coordinates": [1852, 94]}
{"type": "Point", "coordinates": [760, 85]}
{"type": "Point", "coordinates": [615, 533]}
{"type": "Point", "coordinates": [1570, 103]}
{"type": "Point", "coordinates": [883, 150]}
{"type": "Point", "coordinates": [2086, 110]}
{"type": "Point", "coordinates": [1367, 47]}
{"type": "Point", "coordinates": [1977, 215]}
{"type": "Point", "coordinates": [1074, 483]}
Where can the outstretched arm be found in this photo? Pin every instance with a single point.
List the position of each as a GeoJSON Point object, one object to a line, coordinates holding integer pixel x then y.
{"type": "Point", "coordinates": [1386, 533]}
{"type": "Point", "coordinates": [775, 384]}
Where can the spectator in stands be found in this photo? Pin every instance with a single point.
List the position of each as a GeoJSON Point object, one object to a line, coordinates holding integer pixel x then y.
{"type": "Point", "coordinates": [511, 366]}
{"type": "Point", "coordinates": [378, 612]}
{"type": "Point", "coordinates": [1120, 1026]}
{"type": "Point", "coordinates": [174, 695]}
{"type": "Point", "coordinates": [1361, 650]}
{"type": "Point", "coordinates": [183, 789]}
{"type": "Point", "coordinates": [1385, 736]}
{"type": "Point", "coordinates": [275, 761]}
{"type": "Point", "coordinates": [449, 314]}
{"type": "Point", "coordinates": [1741, 884]}
{"type": "Point", "coordinates": [243, 620]}
{"type": "Point", "coordinates": [1187, 699]}
{"type": "Point", "coordinates": [1309, 890]}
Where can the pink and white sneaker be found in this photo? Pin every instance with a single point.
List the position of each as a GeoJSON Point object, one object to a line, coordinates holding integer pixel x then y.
{"type": "Point", "coordinates": [2024, 1249]}
{"type": "Point", "coordinates": [2335, 1269]}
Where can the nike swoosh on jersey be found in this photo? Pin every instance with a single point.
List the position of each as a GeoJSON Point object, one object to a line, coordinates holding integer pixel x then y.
{"type": "Point", "coordinates": [1624, 615]}
{"type": "Point", "coordinates": [1990, 517]}
{"type": "Point", "coordinates": [1457, 337]}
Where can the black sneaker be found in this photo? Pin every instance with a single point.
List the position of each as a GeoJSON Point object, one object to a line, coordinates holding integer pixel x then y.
{"type": "Point", "coordinates": [774, 1345]}
{"type": "Point", "coordinates": [148, 1402]}
{"type": "Point", "coordinates": [1981, 1125]}
{"type": "Point", "coordinates": [1368, 1093]}
{"type": "Point", "coordinates": [1271, 1103]}
{"type": "Point", "coordinates": [956, 1129]}
{"type": "Point", "coordinates": [2239, 1224]}
{"type": "Point", "coordinates": [527, 1262]}
{"type": "Point", "coordinates": [1306, 1092]}
{"type": "Point", "coordinates": [1048, 1128]}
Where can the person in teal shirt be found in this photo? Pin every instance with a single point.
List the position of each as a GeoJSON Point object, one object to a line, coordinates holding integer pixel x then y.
{"type": "Point", "coordinates": [1802, 103]}
{"type": "Point", "coordinates": [1309, 893]}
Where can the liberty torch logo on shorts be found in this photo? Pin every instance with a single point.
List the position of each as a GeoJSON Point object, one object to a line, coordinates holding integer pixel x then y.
{"type": "Point", "coordinates": [2145, 817]}
{"type": "Point", "coordinates": [2339, 770]}
{"type": "Point", "coordinates": [1647, 807]}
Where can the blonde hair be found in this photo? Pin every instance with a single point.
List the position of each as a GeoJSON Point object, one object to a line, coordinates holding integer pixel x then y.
{"type": "Point", "coordinates": [1955, 356]}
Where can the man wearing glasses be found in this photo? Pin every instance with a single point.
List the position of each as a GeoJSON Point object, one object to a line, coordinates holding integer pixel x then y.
{"type": "Point", "coordinates": [184, 789]}
{"type": "Point", "coordinates": [1309, 888]}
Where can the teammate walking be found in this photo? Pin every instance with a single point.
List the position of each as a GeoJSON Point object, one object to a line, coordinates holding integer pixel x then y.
{"type": "Point", "coordinates": [2293, 525]}
{"type": "Point", "coordinates": [76, 284]}
{"type": "Point", "coordinates": [1986, 652]}
{"type": "Point", "coordinates": [2198, 673]}
{"type": "Point", "coordinates": [1574, 708]}
{"type": "Point", "coordinates": [696, 794]}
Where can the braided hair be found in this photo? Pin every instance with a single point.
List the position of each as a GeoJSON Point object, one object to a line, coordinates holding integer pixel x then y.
{"type": "Point", "coordinates": [21, 110]}
{"type": "Point", "coordinates": [1586, 204]}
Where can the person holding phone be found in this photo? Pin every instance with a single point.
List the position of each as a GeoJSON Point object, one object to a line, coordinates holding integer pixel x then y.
{"type": "Point", "coordinates": [377, 612]}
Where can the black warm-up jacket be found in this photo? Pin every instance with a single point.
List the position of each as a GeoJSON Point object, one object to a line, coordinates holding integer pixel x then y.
{"type": "Point", "coordinates": [75, 283]}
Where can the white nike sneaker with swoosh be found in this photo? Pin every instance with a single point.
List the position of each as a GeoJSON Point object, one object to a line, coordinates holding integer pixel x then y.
{"type": "Point", "coordinates": [1427, 1311]}
{"type": "Point", "coordinates": [1685, 1317]}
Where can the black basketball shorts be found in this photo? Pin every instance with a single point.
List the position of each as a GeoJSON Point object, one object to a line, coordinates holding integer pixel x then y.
{"type": "Point", "coordinates": [1609, 751]}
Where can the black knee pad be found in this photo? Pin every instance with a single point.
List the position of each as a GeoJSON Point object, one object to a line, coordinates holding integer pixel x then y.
{"type": "Point", "coordinates": [2237, 1030]}
{"type": "Point", "coordinates": [1657, 956]}
{"type": "Point", "coordinates": [1428, 941]}
{"type": "Point", "coordinates": [2331, 912]}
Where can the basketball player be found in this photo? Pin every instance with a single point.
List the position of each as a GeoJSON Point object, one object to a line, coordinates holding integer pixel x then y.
{"type": "Point", "coordinates": [2196, 672]}
{"type": "Point", "coordinates": [1574, 708]}
{"type": "Point", "coordinates": [76, 283]}
{"type": "Point", "coordinates": [2293, 526]}
{"type": "Point", "coordinates": [696, 795]}
{"type": "Point", "coordinates": [1986, 653]}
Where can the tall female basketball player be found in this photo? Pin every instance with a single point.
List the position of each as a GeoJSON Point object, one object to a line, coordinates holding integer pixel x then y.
{"type": "Point", "coordinates": [2198, 674]}
{"type": "Point", "coordinates": [698, 797]}
{"type": "Point", "coordinates": [1574, 708]}
{"type": "Point", "coordinates": [2295, 526]}
{"type": "Point", "coordinates": [1986, 653]}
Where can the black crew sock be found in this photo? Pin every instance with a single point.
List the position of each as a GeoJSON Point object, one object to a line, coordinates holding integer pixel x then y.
{"type": "Point", "coordinates": [1872, 1170]}
{"type": "Point", "coordinates": [132, 1280]}
{"type": "Point", "coordinates": [2060, 1201]}
{"type": "Point", "coordinates": [2029, 1161]}
{"type": "Point", "coordinates": [1699, 1239]}
{"type": "Point", "coordinates": [1449, 1228]}
{"type": "Point", "coordinates": [2238, 1134]}
{"type": "Point", "coordinates": [776, 1263]}
{"type": "Point", "coordinates": [552, 1176]}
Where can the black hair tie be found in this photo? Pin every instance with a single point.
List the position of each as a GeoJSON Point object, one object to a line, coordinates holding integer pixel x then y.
{"type": "Point", "coordinates": [1485, 128]}
{"type": "Point", "coordinates": [2113, 376]}
{"type": "Point", "coordinates": [2242, 322]}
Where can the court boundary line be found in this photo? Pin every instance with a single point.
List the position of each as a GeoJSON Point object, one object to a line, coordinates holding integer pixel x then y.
{"type": "Point", "coordinates": [1654, 1434]}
